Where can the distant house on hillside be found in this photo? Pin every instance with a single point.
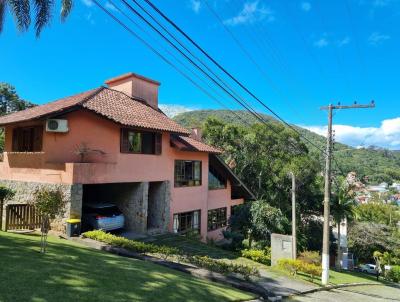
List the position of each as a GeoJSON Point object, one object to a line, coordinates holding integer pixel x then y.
{"type": "Point", "coordinates": [113, 144]}
{"type": "Point", "coordinates": [396, 186]}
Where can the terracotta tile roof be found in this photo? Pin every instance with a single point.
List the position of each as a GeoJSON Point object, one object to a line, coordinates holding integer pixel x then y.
{"type": "Point", "coordinates": [46, 109]}
{"type": "Point", "coordinates": [109, 103]}
{"type": "Point", "coordinates": [190, 144]}
{"type": "Point", "coordinates": [122, 109]}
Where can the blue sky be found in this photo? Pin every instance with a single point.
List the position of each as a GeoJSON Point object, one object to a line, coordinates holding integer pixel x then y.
{"type": "Point", "coordinates": [308, 53]}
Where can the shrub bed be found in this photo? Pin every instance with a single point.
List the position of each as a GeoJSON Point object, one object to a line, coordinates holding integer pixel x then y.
{"type": "Point", "coordinates": [261, 256]}
{"type": "Point", "coordinates": [312, 257]}
{"type": "Point", "coordinates": [394, 274]}
{"type": "Point", "coordinates": [218, 266]}
{"type": "Point", "coordinates": [132, 245]}
{"type": "Point", "coordinates": [222, 267]}
{"type": "Point", "coordinates": [295, 266]}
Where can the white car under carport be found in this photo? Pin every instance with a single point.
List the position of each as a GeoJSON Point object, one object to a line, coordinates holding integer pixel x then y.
{"type": "Point", "coordinates": [103, 216]}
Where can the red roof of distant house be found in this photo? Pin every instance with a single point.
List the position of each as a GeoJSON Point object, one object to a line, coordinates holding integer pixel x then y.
{"type": "Point", "coordinates": [106, 102]}
{"type": "Point", "coordinates": [190, 144]}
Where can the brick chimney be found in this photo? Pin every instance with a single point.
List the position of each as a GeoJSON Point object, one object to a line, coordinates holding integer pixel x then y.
{"type": "Point", "coordinates": [137, 87]}
{"type": "Point", "coordinates": [196, 134]}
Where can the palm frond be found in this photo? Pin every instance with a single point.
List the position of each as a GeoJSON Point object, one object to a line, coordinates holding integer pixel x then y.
{"type": "Point", "coordinates": [66, 6]}
{"type": "Point", "coordinates": [3, 5]}
{"type": "Point", "coordinates": [43, 10]}
{"type": "Point", "coordinates": [21, 11]}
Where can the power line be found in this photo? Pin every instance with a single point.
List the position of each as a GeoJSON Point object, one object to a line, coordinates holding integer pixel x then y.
{"type": "Point", "coordinates": [249, 55]}
{"type": "Point", "coordinates": [184, 47]}
{"type": "Point", "coordinates": [241, 102]}
{"type": "Point", "coordinates": [180, 62]}
{"type": "Point", "coordinates": [156, 52]}
{"type": "Point", "coordinates": [228, 91]}
{"type": "Point", "coordinates": [225, 71]}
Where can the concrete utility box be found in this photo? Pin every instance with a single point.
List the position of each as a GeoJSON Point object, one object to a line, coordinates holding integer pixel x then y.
{"type": "Point", "coordinates": [281, 247]}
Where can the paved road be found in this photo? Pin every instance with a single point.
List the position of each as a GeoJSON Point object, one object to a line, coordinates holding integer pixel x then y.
{"type": "Point", "coordinates": [281, 285]}
{"type": "Point", "coordinates": [371, 293]}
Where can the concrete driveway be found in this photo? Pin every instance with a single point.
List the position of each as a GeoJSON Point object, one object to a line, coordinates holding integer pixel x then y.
{"type": "Point", "coordinates": [370, 293]}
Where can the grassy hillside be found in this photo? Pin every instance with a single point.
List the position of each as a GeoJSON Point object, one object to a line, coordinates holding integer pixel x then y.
{"type": "Point", "coordinates": [378, 164]}
{"type": "Point", "coordinates": [72, 272]}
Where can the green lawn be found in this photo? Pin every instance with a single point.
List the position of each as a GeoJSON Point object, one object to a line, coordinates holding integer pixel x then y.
{"type": "Point", "coordinates": [71, 272]}
{"type": "Point", "coordinates": [336, 277]}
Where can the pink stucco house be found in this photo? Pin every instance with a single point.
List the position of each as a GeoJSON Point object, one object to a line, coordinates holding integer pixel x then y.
{"type": "Point", "coordinates": [113, 144]}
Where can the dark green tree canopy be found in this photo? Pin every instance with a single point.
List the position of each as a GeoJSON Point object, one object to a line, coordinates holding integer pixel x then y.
{"type": "Point", "coordinates": [364, 238]}
{"type": "Point", "coordinates": [262, 156]}
{"type": "Point", "coordinates": [10, 101]}
{"type": "Point", "coordinates": [43, 11]}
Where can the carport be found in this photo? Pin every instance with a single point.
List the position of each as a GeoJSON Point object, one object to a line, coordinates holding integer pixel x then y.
{"type": "Point", "coordinates": [145, 205]}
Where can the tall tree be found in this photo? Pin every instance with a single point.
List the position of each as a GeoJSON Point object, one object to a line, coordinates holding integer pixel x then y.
{"type": "Point", "coordinates": [10, 100]}
{"type": "Point", "coordinates": [21, 10]}
{"type": "Point", "coordinates": [262, 155]}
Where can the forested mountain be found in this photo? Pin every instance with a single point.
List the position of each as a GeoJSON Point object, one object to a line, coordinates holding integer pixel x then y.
{"type": "Point", "coordinates": [376, 163]}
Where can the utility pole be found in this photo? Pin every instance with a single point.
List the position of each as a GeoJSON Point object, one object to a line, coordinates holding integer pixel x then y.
{"type": "Point", "coordinates": [327, 191]}
{"type": "Point", "coordinates": [294, 241]}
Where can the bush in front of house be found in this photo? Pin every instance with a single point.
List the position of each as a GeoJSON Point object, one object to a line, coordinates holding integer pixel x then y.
{"type": "Point", "coordinates": [311, 257]}
{"type": "Point", "coordinates": [218, 266]}
{"type": "Point", "coordinates": [6, 193]}
{"type": "Point", "coordinates": [290, 265]}
{"type": "Point", "coordinates": [222, 267]}
{"type": "Point", "coordinates": [132, 245]}
{"type": "Point", "coordinates": [393, 274]}
{"type": "Point", "coordinates": [294, 266]}
{"type": "Point", "coordinates": [261, 256]}
{"type": "Point", "coordinates": [311, 269]}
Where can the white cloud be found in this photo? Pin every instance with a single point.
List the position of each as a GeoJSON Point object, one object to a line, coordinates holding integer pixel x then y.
{"type": "Point", "coordinates": [195, 5]}
{"type": "Point", "coordinates": [322, 42]}
{"type": "Point", "coordinates": [377, 38]}
{"type": "Point", "coordinates": [87, 3]}
{"type": "Point", "coordinates": [386, 136]}
{"type": "Point", "coordinates": [110, 6]}
{"type": "Point", "coordinates": [306, 6]}
{"type": "Point", "coordinates": [173, 110]}
{"type": "Point", "coordinates": [346, 40]}
{"type": "Point", "coordinates": [252, 12]}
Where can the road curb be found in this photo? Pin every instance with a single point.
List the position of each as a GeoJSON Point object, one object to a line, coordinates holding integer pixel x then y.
{"type": "Point", "coordinates": [331, 287]}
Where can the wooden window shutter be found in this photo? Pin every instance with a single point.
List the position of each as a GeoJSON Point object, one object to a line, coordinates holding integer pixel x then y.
{"type": "Point", "coordinates": [158, 143]}
{"type": "Point", "coordinates": [16, 139]}
{"type": "Point", "coordinates": [37, 138]}
{"type": "Point", "coordinates": [124, 140]}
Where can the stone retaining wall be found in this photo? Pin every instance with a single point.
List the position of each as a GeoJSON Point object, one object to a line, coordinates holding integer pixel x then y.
{"type": "Point", "coordinates": [24, 194]}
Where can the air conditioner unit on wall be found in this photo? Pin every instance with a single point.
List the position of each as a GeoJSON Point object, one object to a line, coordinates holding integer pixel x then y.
{"type": "Point", "coordinates": [57, 125]}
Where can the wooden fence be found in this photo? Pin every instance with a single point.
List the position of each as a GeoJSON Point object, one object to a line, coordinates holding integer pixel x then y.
{"type": "Point", "coordinates": [22, 217]}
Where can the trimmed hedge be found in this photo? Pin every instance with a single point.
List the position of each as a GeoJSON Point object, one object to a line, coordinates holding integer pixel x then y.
{"type": "Point", "coordinates": [223, 267]}
{"type": "Point", "coordinates": [295, 266]}
{"type": "Point", "coordinates": [312, 257]}
{"type": "Point", "coordinates": [132, 245]}
{"type": "Point", "coordinates": [394, 274]}
{"type": "Point", "coordinates": [218, 266]}
{"type": "Point", "coordinates": [261, 256]}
